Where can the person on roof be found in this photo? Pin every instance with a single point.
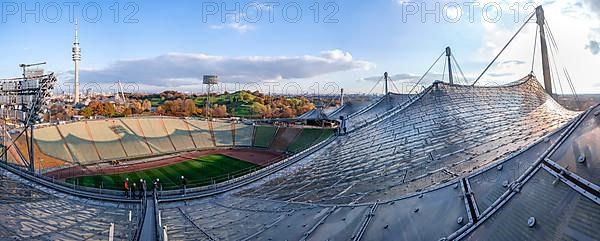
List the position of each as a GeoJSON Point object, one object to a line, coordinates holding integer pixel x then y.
{"type": "Point", "coordinates": [184, 185]}
{"type": "Point", "coordinates": [126, 186]}
{"type": "Point", "coordinates": [133, 189]}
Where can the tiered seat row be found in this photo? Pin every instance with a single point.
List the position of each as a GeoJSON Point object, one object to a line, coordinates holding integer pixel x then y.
{"type": "Point", "coordinates": [90, 142]}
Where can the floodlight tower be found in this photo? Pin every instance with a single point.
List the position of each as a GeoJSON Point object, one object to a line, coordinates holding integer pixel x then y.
{"type": "Point", "coordinates": [209, 81]}
{"type": "Point", "coordinates": [76, 59]}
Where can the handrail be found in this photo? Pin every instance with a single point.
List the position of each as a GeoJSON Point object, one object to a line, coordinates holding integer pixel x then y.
{"type": "Point", "coordinates": [138, 232]}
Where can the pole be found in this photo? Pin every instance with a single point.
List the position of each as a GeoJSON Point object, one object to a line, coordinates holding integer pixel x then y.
{"type": "Point", "coordinates": [207, 100]}
{"type": "Point", "coordinates": [449, 55]}
{"type": "Point", "coordinates": [539, 12]}
{"type": "Point", "coordinates": [111, 232]}
{"type": "Point", "coordinates": [385, 76]}
{"type": "Point", "coordinates": [30, 150]}
{"type": "Point", "coordinates": [165, 232]}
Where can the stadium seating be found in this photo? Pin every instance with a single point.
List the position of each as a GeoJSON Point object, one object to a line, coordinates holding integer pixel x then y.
{"type": "Point", "coordinates": [243, 134]}
{"type": "Point", "coordinates": [284, 137]}
{"type": "Point", "coordinates": [50, 142]}
{"type": "Point", "coordinates": [134, 144]}
{"type": "Point", "coordinates": [179, 132]}
{"type": "Point", "coordinates": [107, 141]}
{"type": "Point", "coordinates": [223, 133]}
{"type": "Point", "coordinates": [156, 135]}
{"type": "Point", "coordinates": [263, 136]}
{"type": "Point", "coordinates": [201, 133]}
{"type": "Point", "coordinates": [79, 141]}
{"type": "Point", "coordinates": [305, 139]}
{"type": "Point", "coordinates": [93, 141]}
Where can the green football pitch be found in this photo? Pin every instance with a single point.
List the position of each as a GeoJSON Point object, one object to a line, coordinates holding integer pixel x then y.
{"type": "Point", "coordinates": [198, 172]}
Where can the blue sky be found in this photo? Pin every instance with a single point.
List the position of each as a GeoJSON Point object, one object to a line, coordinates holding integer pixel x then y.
{"type": "Point", "coordinates": [168, 45]}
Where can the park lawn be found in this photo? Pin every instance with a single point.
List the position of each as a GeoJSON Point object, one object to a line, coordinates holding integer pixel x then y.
{"type": "Point", "coordinates": [199, 172]}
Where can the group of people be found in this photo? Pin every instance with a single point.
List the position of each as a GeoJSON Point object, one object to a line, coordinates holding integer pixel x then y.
{"type": "Point", "coordinates": [130, 190]}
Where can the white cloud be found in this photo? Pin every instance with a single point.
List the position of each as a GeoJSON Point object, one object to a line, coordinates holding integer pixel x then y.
{"type": "Point", "coordinates": [239, 27]}
{"type": "Point", "coordinates": [186, 69]}
{"type": "Point", "coordinates": [593, 46]}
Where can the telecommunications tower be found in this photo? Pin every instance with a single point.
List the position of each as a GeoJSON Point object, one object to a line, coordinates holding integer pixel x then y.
{"type": "Point", "coordinates": [76, 59]}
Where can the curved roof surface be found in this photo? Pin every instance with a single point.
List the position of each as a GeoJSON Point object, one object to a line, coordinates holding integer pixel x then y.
{"type": "Point", "coordinates": [453, 162]}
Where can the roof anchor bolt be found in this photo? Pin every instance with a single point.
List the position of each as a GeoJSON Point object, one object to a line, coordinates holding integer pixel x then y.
{"type": "Point", "coordinates": [581, 158]}
{"type": "Point", "coordinates": [531, 222]}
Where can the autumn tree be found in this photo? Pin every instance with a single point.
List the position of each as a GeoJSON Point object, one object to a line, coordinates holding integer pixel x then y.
{"type": "Point", "coordinates": [87, 112]}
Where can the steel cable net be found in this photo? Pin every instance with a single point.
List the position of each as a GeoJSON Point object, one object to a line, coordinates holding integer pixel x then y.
{"type": "Point", "coordinates": [467, 152]}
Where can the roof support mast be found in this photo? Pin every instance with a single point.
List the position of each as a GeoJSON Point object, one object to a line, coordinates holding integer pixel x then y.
{"type": "Point", "coordinates": [385, 76]}
{"type": "Point", "coordinates": [449, 55]}
{"type": "Point", "coordinates": [539, 12]}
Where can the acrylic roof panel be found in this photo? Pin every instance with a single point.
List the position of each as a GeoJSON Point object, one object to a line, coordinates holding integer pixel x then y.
{"type": "Point", "coordinates": [580, 153]}
{"type": "Point", "coordinates": [30, 213]}
{"type": "Point", "coordinates": [427, 216]}
{"type": "Point", "coordinates": [490, 184]}
{"type": "Point", "coordinates": [449, 132]}
{"type": "Point", "coordinates": [545, 208]}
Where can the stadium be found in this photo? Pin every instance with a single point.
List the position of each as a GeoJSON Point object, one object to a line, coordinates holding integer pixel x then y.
{"type": "Point", "coordinates": [90, 148]}
{"type": "Point", "coordinates": [447, 162]}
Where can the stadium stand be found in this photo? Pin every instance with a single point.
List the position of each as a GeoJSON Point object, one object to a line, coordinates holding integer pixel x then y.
{"type": "Point", "coordinates": [263, 136]}
{"type": "Point", "coordinates": [305, 139]}
{"type": "Point", "coordinates": [133, 125]}
{"type": "Point", "coordinates": [201, 133]}
{"type": "Point", "coordinates": [51, 143]}
{"type": "Point", "coordinates": [284, 137]}
{"type": "Point", "coordinates": [156, 135]}
{"type": "Point", "coordinates": [223, 133]}
{"type": "Point", "coordinates": [95, 141]}
{"type": "Point", "coordinates": [107, 141]}
{"type": "Point", "coordinates": [243, 134]}
{"type": "Point", "coordinates": [179, 132]}
{"type": "Point", "coordinates": [79, 141]}
{"type": "Point", "coordinates": [134, 144]}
